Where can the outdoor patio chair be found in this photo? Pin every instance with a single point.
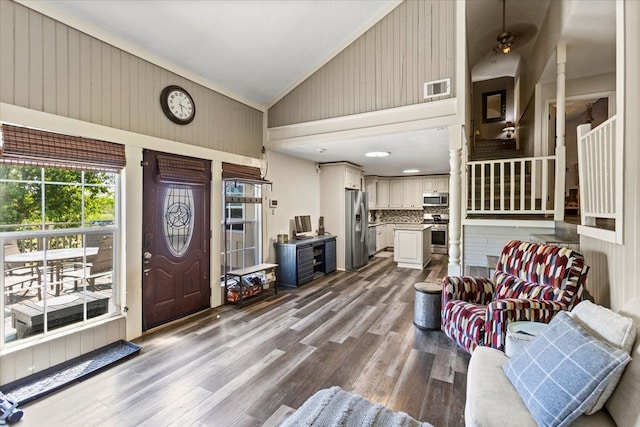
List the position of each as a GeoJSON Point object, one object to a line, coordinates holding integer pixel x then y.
{"type": "Point", "coordinates": [17, 274]}
{"type": "Point", "coordinates": [102, 266]}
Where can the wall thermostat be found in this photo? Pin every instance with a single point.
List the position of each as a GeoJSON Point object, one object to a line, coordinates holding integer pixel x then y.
{"type": "Point", "coordinates": [273, 203]}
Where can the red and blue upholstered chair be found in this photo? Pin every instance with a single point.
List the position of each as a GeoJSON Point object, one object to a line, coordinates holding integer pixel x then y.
{"type": "Point", "coordinates": [532, 282]}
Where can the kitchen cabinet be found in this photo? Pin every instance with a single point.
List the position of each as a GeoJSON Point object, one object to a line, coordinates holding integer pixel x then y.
{"type": "Point", "coordinates": [435, 184]}
{"type": "Point", "coordinates": [396, 193]}
{"type": "Point", "coordinates": [343, 174]}
{"type": "Point", "coordinates": [412, 245]}
{"type": "Point", "coordinates": [403, 193]}
{"type": "Point", "coordinates": [371, 188]}
{"type": "Point", "coordinates": [301, 261]}
{"type": "Point", "coordinates": [353, 178]}
{"type": "Point", "coordinates": [388, 235]}
{"type": "Point", "coordinates": [412, 197]}
{"type": "Point", "coordinates": [384, 236]}
{"type": "Point", "coordinates": [334, 178]}
{"type": "Point", "coordinates": [383, 193]}
{"type": "Point", "coordinates": [442, 184]}
{"type": "Point", "coordinates": [381, 237]}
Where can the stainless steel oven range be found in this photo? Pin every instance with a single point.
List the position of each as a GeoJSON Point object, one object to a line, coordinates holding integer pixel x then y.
{"type": "Point", "coordinates": [439, 232]}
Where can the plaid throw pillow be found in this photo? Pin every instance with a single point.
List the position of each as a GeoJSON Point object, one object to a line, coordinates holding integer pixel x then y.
{"type": "Point", "coordinates": [562, 372]}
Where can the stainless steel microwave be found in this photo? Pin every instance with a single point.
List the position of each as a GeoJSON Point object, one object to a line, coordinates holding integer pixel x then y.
{"type": "Point", "coordinates": [435, 199]}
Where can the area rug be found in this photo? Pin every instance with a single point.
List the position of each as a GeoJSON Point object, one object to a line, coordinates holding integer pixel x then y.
{"type": "Point", "coordinates": [334, 407]}
{"type": "Point", "coordinates": [42, 383]}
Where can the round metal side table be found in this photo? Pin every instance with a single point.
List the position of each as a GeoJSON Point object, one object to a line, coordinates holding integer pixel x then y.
{"type": "Point", "coordinates": [427, 305]}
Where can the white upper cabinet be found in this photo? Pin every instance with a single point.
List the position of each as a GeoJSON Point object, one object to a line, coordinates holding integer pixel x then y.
{"type": "Point", "coordinates": [442, 184]}
{"type": "Point", "coordinates": [383, 193]}
{"type": "Point", "coordinates": [412, 193]}
{"type": "Point", "coordinates": [344, 175]}
{"type": "Point", "coordinates": [396, 193]}
{"type": "Point", "coordinates": [371, 188]}
{"type": "Point", "coordinates": [353, 178]}
{"type": "Point", "coordinates": [403, 193]}
{"type": "Point", "coordinates": [435, 184]}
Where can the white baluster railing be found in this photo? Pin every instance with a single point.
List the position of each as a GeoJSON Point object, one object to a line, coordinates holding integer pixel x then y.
{"type": "Point", "coordinates": [599, 164]}
{"type": "Point", "coordinates": [511, 186]}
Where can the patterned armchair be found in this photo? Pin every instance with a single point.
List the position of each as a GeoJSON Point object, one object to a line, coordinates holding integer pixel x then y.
{"type": "Point", "coordinates": [531, 282]}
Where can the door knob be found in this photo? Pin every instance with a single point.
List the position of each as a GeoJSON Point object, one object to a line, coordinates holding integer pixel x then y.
{"type": "Point", "coordinates": [147, 255]}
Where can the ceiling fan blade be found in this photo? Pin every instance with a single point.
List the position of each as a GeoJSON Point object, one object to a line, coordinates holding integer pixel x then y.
{"type": "Point", "coordinates": [522, 33]}
{"type": "Point", "coordinates": [516, 36]}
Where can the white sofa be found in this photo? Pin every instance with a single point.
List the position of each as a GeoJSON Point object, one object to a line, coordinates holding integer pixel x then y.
{"type": "Point", "coordinates": [493, 401]}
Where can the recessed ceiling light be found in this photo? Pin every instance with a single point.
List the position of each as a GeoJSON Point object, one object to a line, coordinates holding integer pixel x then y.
{"type": "Point", "coordinates": [321, 150]}
{"type": "Point", "coordinates": [411, 171]}
{"type": "Point", "coordinates": [377, 154]}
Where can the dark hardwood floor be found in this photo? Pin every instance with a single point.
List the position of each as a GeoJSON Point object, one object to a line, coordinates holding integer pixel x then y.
{"type": "Point", "coordinates": [248, 366]}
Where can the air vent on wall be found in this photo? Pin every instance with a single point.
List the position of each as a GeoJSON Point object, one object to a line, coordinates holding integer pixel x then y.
{"type": "Point", "coordinates": [437, 88]}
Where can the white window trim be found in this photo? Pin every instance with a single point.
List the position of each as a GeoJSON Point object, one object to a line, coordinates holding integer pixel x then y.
{"type": "Point", "coordinates": [114, 305]}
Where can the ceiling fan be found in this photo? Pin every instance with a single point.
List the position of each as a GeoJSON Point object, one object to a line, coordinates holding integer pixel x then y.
{"type": "Point", "coordinates": [506, 38]}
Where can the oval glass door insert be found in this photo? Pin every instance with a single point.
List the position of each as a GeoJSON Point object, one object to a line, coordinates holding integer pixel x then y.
{"type": "Point", "coordinates": [178, 219]}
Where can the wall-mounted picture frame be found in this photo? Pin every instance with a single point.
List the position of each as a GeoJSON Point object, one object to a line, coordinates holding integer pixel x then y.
{"type": "Point", "coordinates": [494, 106]}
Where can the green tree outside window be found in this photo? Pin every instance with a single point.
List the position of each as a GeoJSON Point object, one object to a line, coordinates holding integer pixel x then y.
{"type": "Point", "coordinates": [21, 197]}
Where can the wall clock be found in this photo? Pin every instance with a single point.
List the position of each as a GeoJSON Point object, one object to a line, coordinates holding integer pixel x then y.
{"type": "Point", "coordinates": [177, 105]}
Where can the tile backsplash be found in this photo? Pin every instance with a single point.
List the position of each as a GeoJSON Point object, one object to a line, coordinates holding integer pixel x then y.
{"type": "Point", "coordinates": [436, 210]}
{"type": "Point", "coordinates": [401, 215]}
{"type": "Point", "coordinates": [395, 216]}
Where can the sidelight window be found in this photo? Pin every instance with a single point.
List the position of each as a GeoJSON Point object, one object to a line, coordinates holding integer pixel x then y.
{"type": "Point", "coordinates": [242, 225]}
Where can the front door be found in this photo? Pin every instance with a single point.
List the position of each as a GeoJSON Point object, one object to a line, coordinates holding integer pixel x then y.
{"type": "Point", "coordinates": [175, 241]}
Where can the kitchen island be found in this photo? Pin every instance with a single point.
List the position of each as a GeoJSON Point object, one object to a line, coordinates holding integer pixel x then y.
{"type": "Point", "coordinates": [412, 245]}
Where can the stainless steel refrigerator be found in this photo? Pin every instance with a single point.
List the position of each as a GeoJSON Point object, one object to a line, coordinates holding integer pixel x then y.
{"type": "Point", "coordinates": [356, 229]}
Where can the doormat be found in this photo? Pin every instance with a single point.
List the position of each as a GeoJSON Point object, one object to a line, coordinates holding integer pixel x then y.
{"type": "Point", "coordinates": [75, 370]}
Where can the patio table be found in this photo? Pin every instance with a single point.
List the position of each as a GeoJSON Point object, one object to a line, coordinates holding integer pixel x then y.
{"type": "Point", "coordinates": [54, 257]}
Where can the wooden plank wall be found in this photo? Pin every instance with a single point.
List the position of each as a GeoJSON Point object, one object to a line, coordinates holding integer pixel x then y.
{"type": "Point", "coordinates": [26, 360]}
{"type": "Point", "coordinates": [614, 278]}
{"type": "Point", "coordinates": [385, 68]}
{"type": "Point", "coordinates": [481, 240]}
{"type": "Point", "coordinates": [48, 66]}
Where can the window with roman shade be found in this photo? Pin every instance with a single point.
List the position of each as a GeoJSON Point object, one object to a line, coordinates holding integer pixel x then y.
{"type": "Point", "coordinates": [59, 231]}
{"type": "Point", "coordinates": [241, 172]}
{"type": "Point", "coordinates": [182, 169]}
{"type": "Point", "coordinates": [34, 147]}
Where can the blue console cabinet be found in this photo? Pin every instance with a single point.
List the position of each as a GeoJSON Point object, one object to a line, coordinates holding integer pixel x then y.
{"type": "Point", "coordinates": [301, 261]}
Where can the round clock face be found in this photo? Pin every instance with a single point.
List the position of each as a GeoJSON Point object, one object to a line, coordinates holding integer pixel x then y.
{"type": "Point", "coordinates": [177, 105]}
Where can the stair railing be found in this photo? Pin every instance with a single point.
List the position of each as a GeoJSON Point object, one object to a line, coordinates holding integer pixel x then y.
{"type": "Point", "coordinates": [600, 159]}
{"type": "Point", "coordinates": [516, 186]}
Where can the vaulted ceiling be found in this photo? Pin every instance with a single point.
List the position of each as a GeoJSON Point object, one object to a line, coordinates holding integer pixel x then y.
{"type": "Point", "coordinates": [258, 50]}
